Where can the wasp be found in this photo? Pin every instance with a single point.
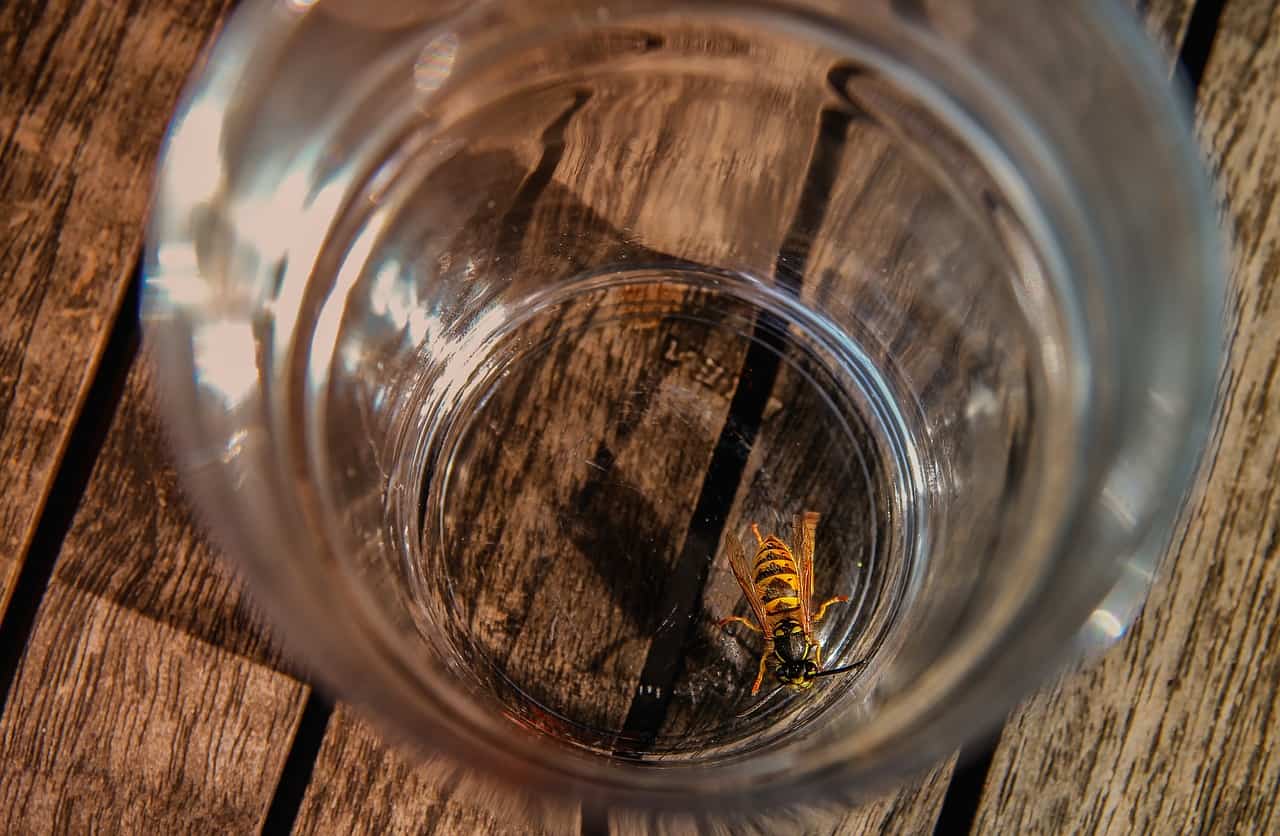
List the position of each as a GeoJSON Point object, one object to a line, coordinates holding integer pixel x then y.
{"type": "Point", "coordinates": [779, 587]}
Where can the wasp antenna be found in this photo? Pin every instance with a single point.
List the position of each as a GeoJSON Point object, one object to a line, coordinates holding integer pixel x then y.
{"type": "Point", "coordinates": [845, 668]}
{"type": "Point", "coordinates": [760, 703]}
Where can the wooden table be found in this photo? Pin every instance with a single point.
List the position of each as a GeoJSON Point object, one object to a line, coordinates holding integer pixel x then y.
{"type": "Point", "coordinates": [142, 692]}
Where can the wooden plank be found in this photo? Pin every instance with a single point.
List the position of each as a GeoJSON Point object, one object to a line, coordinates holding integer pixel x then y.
{"type": "Point", "coordinates": [1176, 729]}
{"type": "Point", "coordinates": [802, 450]}
{"type": "Point", "coordinates": [124, 724]}
{"type": "Point", "coordinates": [125, 713]}
{"type": "Point", "coordinates": [380, 790]}
{"type": "Point", "coordinates": [136, 542]}
{"type": "Point", "coordinates": [865, 256]}
{"type": "Point", "coordinates": [882, 272]}
{"type": "Point", "coordinates": [86, 93]}
{"type": "Point", "coordinates": [146, 693]}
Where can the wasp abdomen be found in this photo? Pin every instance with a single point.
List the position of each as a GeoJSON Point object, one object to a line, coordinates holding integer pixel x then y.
{"type": "Point", "coordinates": [777, 579]}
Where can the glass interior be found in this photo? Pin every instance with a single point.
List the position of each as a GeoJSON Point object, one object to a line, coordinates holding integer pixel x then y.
{"type": "Point", "coordinates": [506, 320]}
{"type": "Point", "coordinates": [622, 290]}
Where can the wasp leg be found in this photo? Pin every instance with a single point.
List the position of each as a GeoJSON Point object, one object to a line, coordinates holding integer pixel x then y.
{"type": "Point", "coordinates": [755, 689]}
{"type": "Point", "coordinates": [755, 529]}
{"type": "Point", "coordinates": [724, 622]}
{"type": "Point", "coordinates": [822, 610]}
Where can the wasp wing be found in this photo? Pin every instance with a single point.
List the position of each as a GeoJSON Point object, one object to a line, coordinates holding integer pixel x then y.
{"type": "Point", "coordinates": [742, 571]}
{"type": "Point", "coordinates": [803, 531]}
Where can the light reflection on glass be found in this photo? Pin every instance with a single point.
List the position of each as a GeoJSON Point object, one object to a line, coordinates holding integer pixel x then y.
{"type": "Point", "coordinates": [197, 142]}
{"type": "Point", "coordinates": [270, 223]}
{"type": "Point", "coordinates": [226, 357]}
{"type": "Point", "coordinates": [176, 282]}
{"type": "Point", "coordinates": [389, 297]}
{"type": "Point", "coordinates": [1106, 621]}
{"type": "Point", "coordinates": [235, 444]}
{"type": "Point", "coordinates": [461, 357]}
{"type": "Point", "coordinates": [435, 62]}
{"type": "Point", "coordinates": [1125, 492]}
{"type": "Point", "coordinates": [423, 325]}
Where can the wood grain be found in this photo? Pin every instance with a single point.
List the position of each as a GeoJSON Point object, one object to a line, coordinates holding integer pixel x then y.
{"type": "Point", "coordinates": [147, 695]}
{"type": "Point", "coordinates": [86, 93]}
{"type": "Point", "coordinates": [123, 724]}
{"type": "Point", "coordinates": [137, 543]}
{"type": "Point", "coordinates": [1176, 729]}
{"type": "Point", "coordinates": [378, 789]}
{"type": "Point", "coordinates": [146, 692]}
{"type": "Point", "coordinates": [142, 699]}
{"type": "Point", "coordinates": [570, 480]}
{"type": "Point", "coordinates": [529, 456]}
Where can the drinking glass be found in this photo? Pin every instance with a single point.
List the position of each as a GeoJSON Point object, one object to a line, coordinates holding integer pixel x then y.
{"type": "Point", "coordinates": [484, 329]}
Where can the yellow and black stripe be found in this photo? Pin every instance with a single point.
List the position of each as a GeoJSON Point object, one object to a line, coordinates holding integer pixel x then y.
{"type": "Point", "coordinates": [777, 582]}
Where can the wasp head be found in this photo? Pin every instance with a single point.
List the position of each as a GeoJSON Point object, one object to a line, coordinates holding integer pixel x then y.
{"type": "Point", "coordinates": [798, 674]}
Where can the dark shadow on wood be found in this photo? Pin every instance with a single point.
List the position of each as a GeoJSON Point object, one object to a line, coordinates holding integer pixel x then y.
{"type": "Point", "coordinates": [1202, 29]}
{"type": "Point", "coordinates": [516, 221]}
{"type": "Point", "coordinates": [295, 775]}
{"type": "Point", "coordinates": [964, 793]}
{"type": "Point", "coordinates": [620, 515]}
{"type": "Point", "coordinates": [84, 445]}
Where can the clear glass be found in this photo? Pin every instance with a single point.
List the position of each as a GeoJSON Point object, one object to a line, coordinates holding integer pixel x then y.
{"type": "Point", "coordinates": [482, 328]}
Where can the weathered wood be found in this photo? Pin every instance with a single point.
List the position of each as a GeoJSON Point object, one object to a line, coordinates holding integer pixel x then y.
{"type": "Point", "coordinates": [146, 698]}
{"type": "Point", "coordinates": [136, 542]}
{"type": "Point", "coordinates": [125, 713]}
{"type": "Point", "coordinates": [363, 785]}
{"type": "Point", "coordinates": [800, 452]}
{"type": "Point", "coordinates": [1176, 729]}
{"type": "Point", "coordinates": [124, 724]}
{"type": "Point", "coordinates": [145, 694]}
{"type": "Point", "coordinates": [86, 93]}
